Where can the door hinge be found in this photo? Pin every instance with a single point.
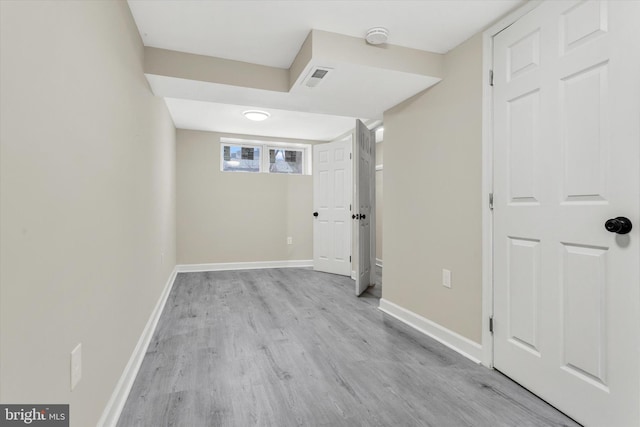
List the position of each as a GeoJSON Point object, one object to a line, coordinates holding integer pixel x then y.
{"type": "Point", "coordinates": [491, 324]}
{"type": "Point", "coordinates": [490, 77]}
{"type": "Point", "coordinates": [349, 208]}
{"type": "Point", "coordinates": [349, 258]}
{"type": "Point", "coordinates": [490, 201]}
{"type": "Point", "coordinates": [349, 155]}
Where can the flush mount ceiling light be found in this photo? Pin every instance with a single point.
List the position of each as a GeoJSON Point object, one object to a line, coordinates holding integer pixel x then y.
{"type": "Point", "coordinates": [256, 115]}
{"type": "Point", "coordinates": [377, 35]}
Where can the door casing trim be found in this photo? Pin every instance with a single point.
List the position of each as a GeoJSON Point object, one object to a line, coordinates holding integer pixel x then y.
{"type": "Point", "coordinates": [487, 174]}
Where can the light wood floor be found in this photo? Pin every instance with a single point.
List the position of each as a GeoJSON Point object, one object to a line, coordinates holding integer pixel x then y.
{"type": "Point", "coordinates": [293, 347]}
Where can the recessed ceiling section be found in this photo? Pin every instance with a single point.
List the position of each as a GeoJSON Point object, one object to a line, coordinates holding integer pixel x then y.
{"type": "Point", "coordinates": [225, 118]}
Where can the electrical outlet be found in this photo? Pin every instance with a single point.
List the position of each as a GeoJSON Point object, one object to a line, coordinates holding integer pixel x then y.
{"type": "Point", "coordinates": [289, 240]}
{"type": "Point", "coordinates": [446, 278]}
{"type": "Point", "coordinates": [76, 366]}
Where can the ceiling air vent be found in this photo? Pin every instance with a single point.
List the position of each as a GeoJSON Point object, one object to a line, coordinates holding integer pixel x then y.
{"type": "Point", "coordinates": [316, 75]}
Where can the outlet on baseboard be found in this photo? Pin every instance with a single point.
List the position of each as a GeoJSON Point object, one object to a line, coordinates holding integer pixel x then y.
{"type": "Point", "coordinates": [289, 240]}
{"type": "Point", "coordinates": [76, 366]}
{"type": "Point", "coordinates": [446, 278]}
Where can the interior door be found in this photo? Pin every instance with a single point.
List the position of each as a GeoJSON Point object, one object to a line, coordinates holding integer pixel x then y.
{"type": "Point", "coordinates": [332, 189]}
{"type": "Point", "coordinates": [566, 160]}
{"type": "Point", "coordinates": [365, 154]}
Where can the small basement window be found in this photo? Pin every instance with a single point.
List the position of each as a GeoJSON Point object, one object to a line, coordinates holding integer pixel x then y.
{"type": "Point", "coordinates": [237, 158]}
{"type": "Point", "coordinates": [282, 160]}
{"type": "Point", "coordinates": [238, 155]}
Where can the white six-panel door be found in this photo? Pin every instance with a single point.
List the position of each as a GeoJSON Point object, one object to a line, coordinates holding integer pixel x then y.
{"type": "Point", "coordinates": [566, 159]}
{"type": "Point", "coordinates": [365, 154]}
{"type": "Point", "coordinates": [332, 189]}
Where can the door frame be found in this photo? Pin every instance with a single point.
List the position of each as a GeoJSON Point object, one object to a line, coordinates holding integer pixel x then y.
{"type": "Point", "coordinates": [487, 174]}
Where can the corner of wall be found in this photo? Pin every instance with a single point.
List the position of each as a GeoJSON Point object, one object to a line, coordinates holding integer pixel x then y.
{"type": "Point", "coordinates": [441, 128]}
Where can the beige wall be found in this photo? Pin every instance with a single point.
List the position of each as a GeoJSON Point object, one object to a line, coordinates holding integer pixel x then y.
{"type": "Point", "coordinates": [432, 187]}
{"type": "Point", "coordinates": [238, 217]}
{"type": "Point", "coordinates": [184, 65]}
{"type": "Point", "coordinates": [87, 201]}
{"type": "Point", "coordinates": [338, 48]}
{"type": "Point", "coordinates": [379, 200]}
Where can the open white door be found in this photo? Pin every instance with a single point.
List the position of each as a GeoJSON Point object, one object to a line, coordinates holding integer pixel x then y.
{"type": "Point", "coordinates": [567, 160]}
{"type": "Point", "coordinates": [365, 153]}
{"type": "Point", "coordinates": [332, 178]}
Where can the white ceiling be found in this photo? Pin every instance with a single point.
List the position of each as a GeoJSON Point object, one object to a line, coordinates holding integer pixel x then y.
{"type": "Point", "coordinates": [225, 118]}
{"type": "Point", "coordinates": [272, 32]}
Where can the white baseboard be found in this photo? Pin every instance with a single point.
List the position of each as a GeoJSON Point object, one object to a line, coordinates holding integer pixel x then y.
{"type": "Point", "coordinates": [454, 341]}
{"type": "Point", "coordinates": [114, 407]}
{"type": "Point", "coordinates": [378, 262]}
{"type": "Point", "coordinates": [193, 268]}
{"type": "Point", "coordinates": [353, 275]}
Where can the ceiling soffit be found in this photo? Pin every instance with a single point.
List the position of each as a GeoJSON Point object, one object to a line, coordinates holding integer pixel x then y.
{"type": "Point", "coordinates": [364, 81]}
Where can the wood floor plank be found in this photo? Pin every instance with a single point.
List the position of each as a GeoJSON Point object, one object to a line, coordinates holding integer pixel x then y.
{"type": "Point", "coordinates": [294, 347]}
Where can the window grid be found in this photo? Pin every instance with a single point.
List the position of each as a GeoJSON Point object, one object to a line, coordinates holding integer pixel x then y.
{"type": "Point", "coordinates": [272, 158]}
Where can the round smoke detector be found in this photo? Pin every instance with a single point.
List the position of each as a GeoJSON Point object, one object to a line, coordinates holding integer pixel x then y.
{"type": "Point", "coordinates": [377, 35]}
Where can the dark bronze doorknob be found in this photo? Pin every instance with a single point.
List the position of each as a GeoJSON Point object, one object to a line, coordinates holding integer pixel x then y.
{"type": "Point", "coordinates": [363, 216]}
{"type": "Point", "coordinates": [619, 225]}
{"type": "Point", "coordinates": [315, 214]}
